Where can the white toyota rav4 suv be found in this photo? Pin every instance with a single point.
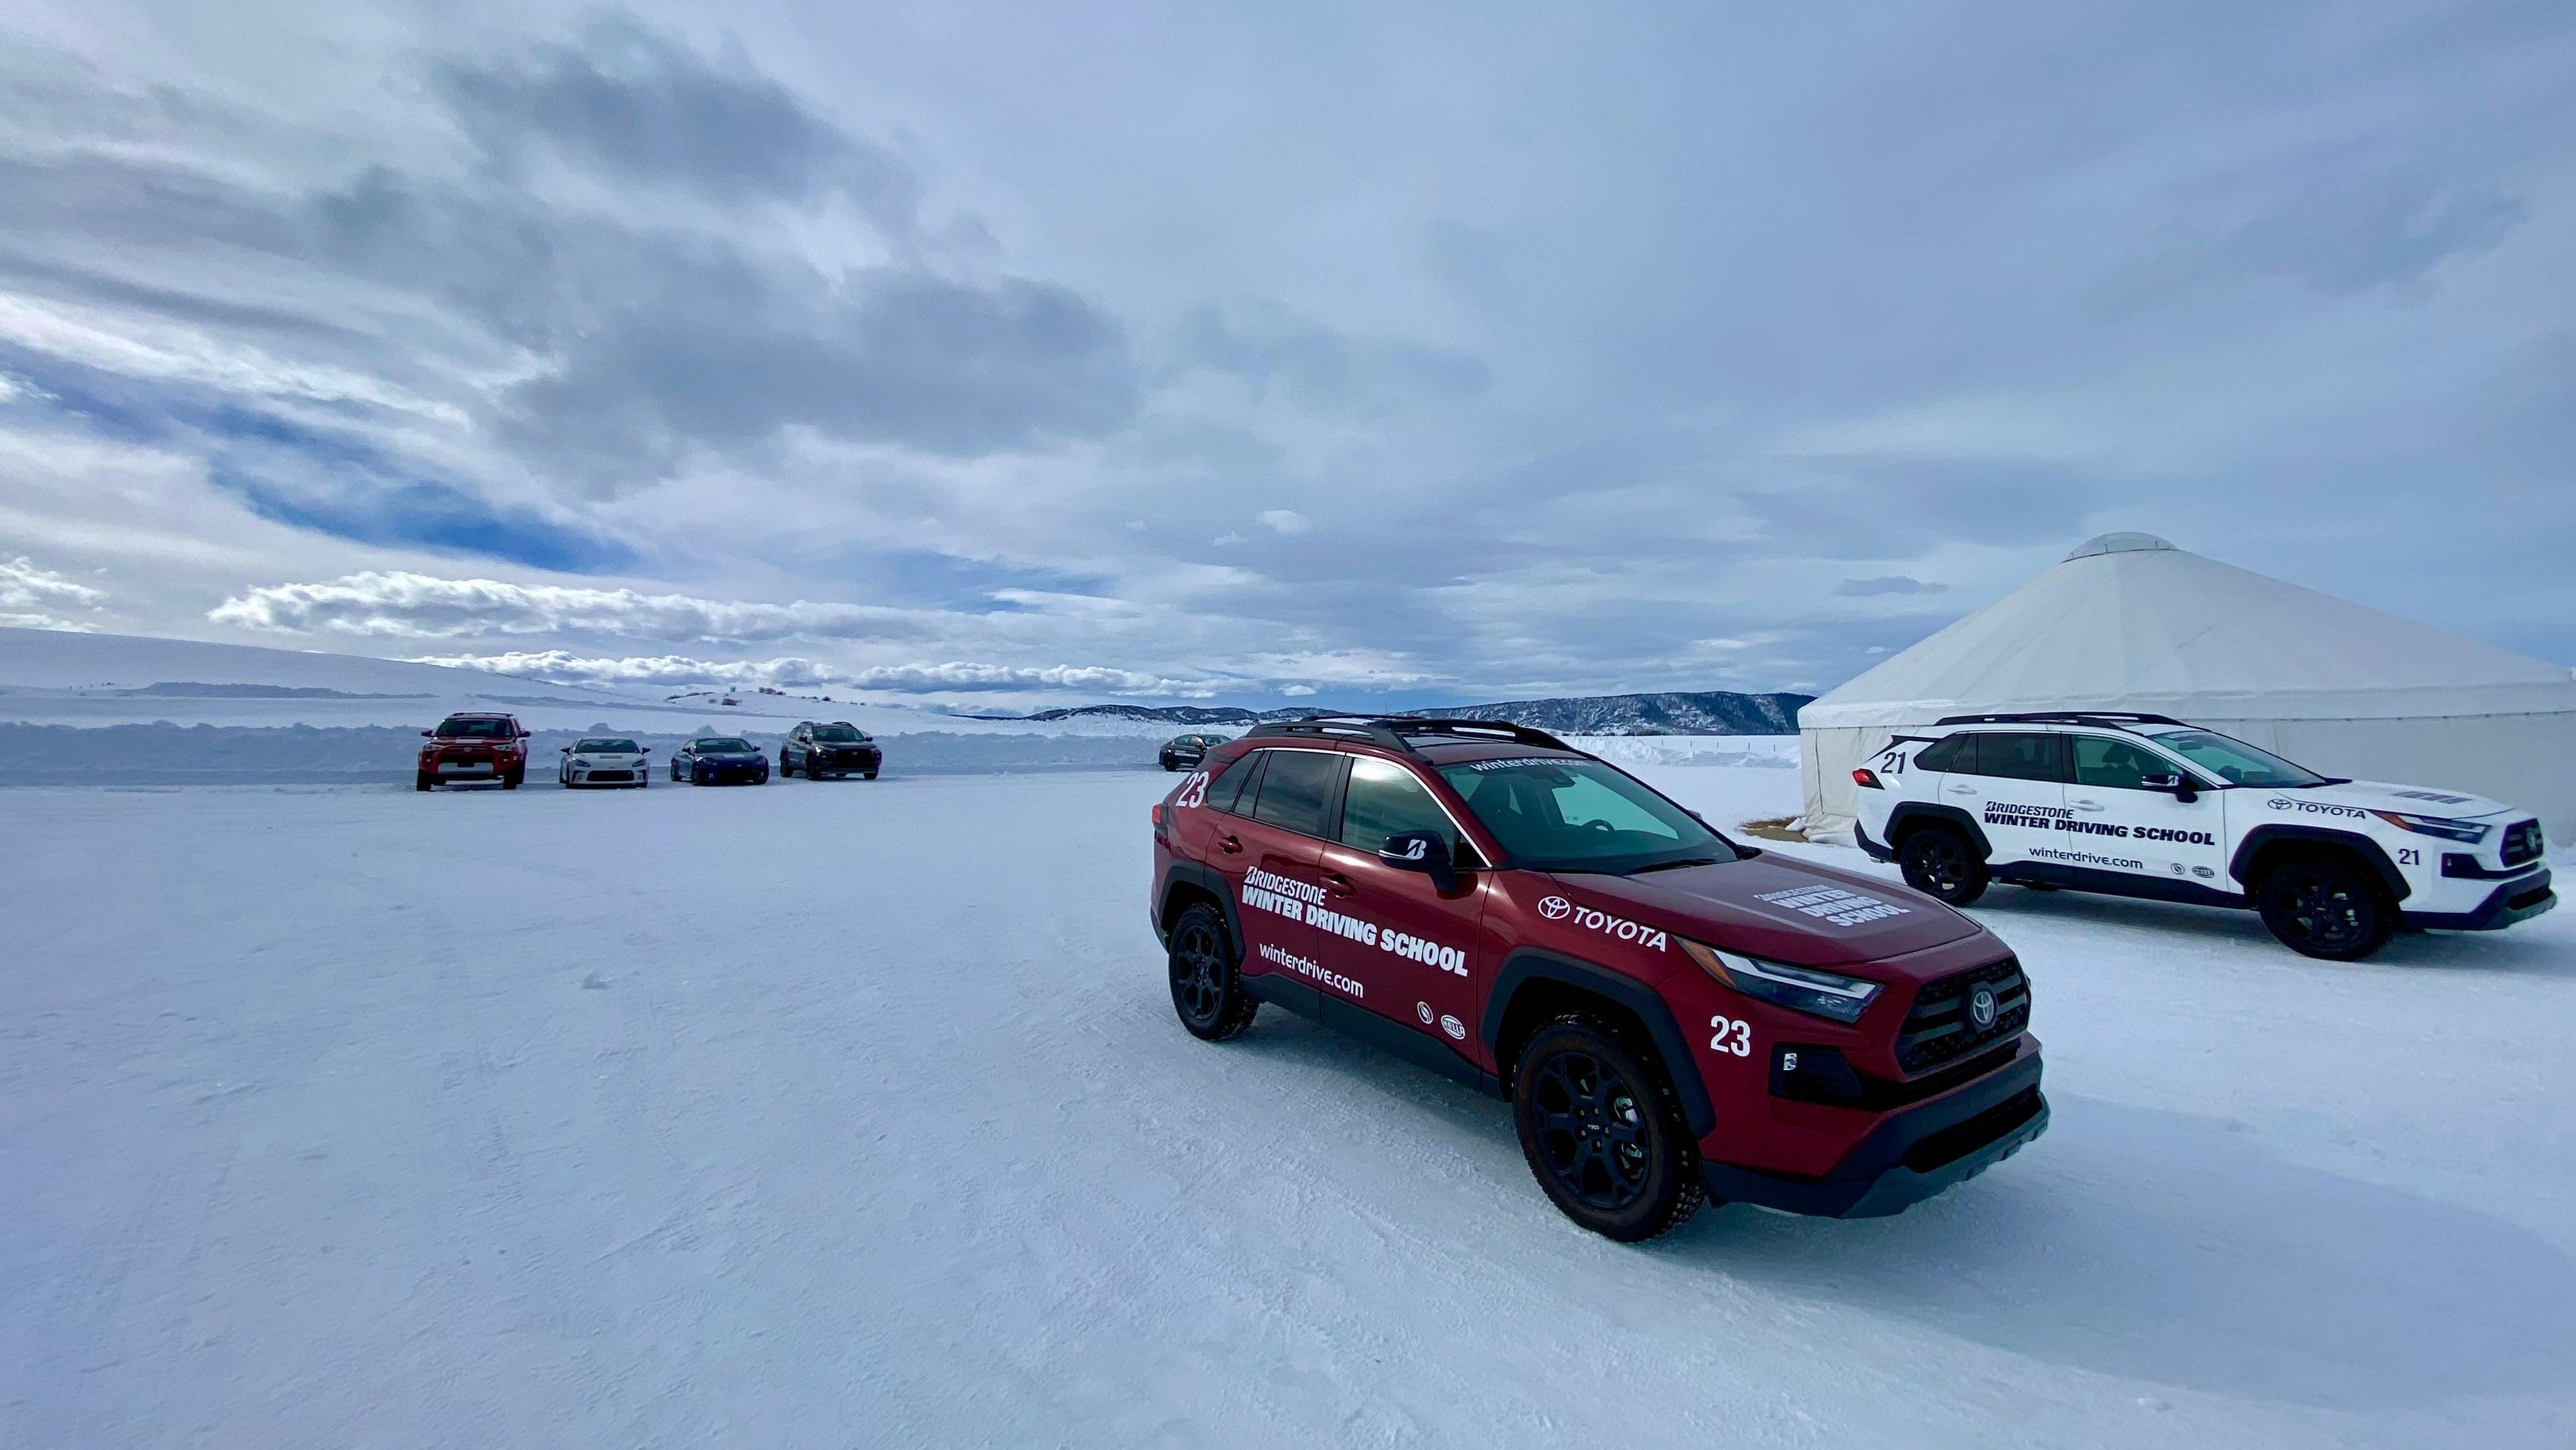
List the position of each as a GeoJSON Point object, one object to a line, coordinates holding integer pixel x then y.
{"type": "Point", "coordinates": [2140, 805]}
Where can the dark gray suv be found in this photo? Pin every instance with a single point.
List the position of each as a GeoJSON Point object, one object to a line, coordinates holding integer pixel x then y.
{"type": "Point", "coordinates": [1184, 752]}
{"type": "Point", "coordinates": [832, 749]}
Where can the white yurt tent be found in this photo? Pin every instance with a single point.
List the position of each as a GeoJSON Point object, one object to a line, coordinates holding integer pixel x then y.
{"type": "Point", "coordinates": [2129, 622]}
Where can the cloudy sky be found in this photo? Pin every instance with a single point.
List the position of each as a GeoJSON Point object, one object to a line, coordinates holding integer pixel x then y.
{"type": "Point", "coordinates": [1375, 352]}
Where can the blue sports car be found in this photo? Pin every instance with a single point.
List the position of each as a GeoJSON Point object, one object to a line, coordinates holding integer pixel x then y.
{"type": "Point", "coordinates": [716, 759]}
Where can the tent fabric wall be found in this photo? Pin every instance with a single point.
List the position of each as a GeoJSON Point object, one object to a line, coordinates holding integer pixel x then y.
{"type": "Point", "coordinates": [2128, 622]}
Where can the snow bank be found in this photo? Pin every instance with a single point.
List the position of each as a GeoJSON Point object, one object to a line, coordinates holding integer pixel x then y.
{"type": "Point", "coordinates": [164, 753]}
{"type": "Point", "coordinates": [857, 1115]}
{"type": "Point", "coordinates": [1765, 752]}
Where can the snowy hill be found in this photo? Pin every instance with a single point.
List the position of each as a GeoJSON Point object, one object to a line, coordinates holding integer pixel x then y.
{"type": "Point", "coordinates": [1703, 712]}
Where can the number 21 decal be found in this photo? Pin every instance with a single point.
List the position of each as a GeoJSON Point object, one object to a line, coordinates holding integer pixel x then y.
{"type": "Point", "coordinates": [1734, 1035]}
{"type": "Point", "coordinates": [2409, 856]}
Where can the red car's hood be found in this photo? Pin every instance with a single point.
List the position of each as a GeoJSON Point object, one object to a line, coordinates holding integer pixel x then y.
{"type": "Point", "coordinates": [1787, 910]}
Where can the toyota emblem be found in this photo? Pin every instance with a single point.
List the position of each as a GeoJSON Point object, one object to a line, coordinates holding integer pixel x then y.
{"type": "Point", "coordinates": [1981, 1007]}
{"type": "Point", "coordinates": [1554, 908]}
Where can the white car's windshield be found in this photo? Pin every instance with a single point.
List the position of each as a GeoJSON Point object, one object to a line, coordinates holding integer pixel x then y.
{"type": "Point", "coordinates": [2236, 762]}
{"type": "Point", "coordinates": [604, 745]}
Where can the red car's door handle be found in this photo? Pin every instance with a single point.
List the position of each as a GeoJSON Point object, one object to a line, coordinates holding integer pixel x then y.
{"type": "Point", "coordinates": [1230, 846]}
{"type": "Point", "coordinates": [1340, 883]}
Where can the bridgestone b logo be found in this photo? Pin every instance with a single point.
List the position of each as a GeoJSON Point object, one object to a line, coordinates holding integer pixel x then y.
{"type": "Point", "coordinates": [1833, 905]}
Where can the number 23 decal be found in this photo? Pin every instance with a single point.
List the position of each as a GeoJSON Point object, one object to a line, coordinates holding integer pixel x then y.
{"type": "Point", "coordinates": [1734, 1035]}
{"type": "Point", "coordinates": [1193, 790]}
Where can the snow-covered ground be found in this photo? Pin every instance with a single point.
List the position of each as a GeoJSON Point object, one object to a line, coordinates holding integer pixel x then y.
{"type": "Point", "coordinates": [856, 1114]}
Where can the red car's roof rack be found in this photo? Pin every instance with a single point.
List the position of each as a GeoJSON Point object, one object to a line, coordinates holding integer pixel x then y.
{"type": "Point", "coordinates": [1392, 731]}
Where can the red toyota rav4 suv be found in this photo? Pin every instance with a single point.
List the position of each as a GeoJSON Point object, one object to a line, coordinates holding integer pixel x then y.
{"type": "Point", "coordinates": [1673, 1016]}
{"type": "Point", "coordinates": [473, 747]}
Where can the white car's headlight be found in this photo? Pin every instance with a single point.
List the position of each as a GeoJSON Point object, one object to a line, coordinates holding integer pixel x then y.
{"type": "Point", "coordinates": [1800, 989]}
{"type": "Point", "coordinates": [2448, 829]}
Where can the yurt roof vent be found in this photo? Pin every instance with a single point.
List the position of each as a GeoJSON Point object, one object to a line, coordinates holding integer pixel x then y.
{"type": "Point", "coordinates": [2125, 543]}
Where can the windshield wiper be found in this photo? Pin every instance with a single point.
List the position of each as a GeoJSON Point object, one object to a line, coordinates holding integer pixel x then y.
{"type": "Point", "coordinates": [1669, 865]}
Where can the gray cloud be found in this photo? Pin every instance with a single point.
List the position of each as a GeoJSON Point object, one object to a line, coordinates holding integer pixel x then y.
{"type": "Point", "coordinates": [952, 677]}
{"type": "Point", "coordinates": [1269, 348]}
{"type": "Point", "coordinates": [564, 665]}
{"type": "Point", "coordinates": [707, 352]}
{"type": "Point", "coordinates": [634, 106]}
{"type": "Point", "coordinates": [1886, 584]}
{"type": "Point", "coordinates": [1594, 367]}
{"type": "Point", "coordinates": [418, 606]}
{"type": "Point", "coordinates": [653, 338]}
{"type": "Point", "coordinates": [2334, 225]}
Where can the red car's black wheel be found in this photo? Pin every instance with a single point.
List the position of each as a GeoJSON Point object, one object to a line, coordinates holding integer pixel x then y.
{"type": "Point", "coordinates": [1603, 1131]}
{"type": "Point", "coordinates": [1206, 989]}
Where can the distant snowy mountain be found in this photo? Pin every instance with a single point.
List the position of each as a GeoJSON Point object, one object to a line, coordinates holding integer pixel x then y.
{"type": "Point", "coordinates": [1703, 712]}
{"type": "Point", "coordinates": [1166, 714]}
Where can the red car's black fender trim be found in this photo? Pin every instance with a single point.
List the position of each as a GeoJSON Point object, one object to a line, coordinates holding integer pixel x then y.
{"type": "Point", "coordinates": [2362, 846]}
{"type": "Point", "coordinates": [1911, 1156]}
{"type": "Point", "coordinates": [1946, 815]}
{"type": "Point", "coordinates": [1642, 1002]}
{"type": "Point", "coordinates": [1191, 873]}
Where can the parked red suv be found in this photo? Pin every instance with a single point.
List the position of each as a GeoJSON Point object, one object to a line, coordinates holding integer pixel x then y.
{"type": "Point", "coordinates": [1672, 1015]}
{"type": "Point", "coordinates": [473, 747]}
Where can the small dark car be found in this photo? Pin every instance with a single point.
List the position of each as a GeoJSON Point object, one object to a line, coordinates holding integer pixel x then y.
{"type": "Point", "coordinates": [836, 748]}
{"type": "Point", "coordinates": [1184, 752]}
{"type": "Point", "coordinates": [473, 747]}
{"type": "Point", "coordinates": [717, 759]}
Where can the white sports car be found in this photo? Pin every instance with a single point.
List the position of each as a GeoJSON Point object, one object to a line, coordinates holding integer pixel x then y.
{"type": "Point", "coordinates": [603, 760]}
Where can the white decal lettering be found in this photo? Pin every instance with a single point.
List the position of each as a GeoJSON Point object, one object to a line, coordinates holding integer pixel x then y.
{"type": "Point", "coordinates": [1313, 971]}
{"type": "Point", "coordinates": [1833, 905]}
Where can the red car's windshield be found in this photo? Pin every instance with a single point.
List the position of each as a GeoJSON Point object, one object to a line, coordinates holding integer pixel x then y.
{"type": "Point", "coordinates": [1554, 814]}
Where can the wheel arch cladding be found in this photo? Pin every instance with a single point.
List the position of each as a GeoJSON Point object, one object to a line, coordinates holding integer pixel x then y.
{"type": "Point", "coordinates": [1534, 987]}
{"type": "Point", "coordinates": [1188, 883]}
{"type": "Point", "coordinates": [2266, 844]}
{"type": "Point", "coordinates": [1913, 816]}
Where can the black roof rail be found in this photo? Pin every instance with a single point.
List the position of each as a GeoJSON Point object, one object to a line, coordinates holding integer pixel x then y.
{"type": "Point", "coordinates": [2113, 718]}
{"type": "Point", "coordinates": [1391, 731]}
{"type": "Point", "coordinates": [1518, 734]}
{"type": "Point", "coordinates": [1326, 727]}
